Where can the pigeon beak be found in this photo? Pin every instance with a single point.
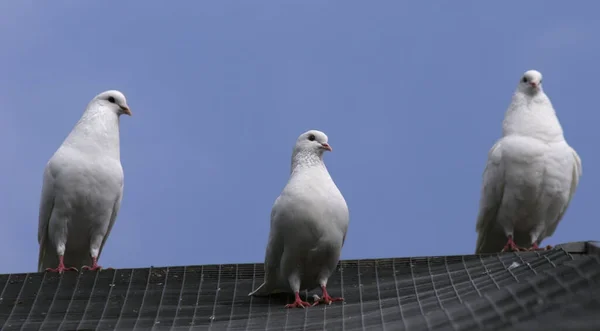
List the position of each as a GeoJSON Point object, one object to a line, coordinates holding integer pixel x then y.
{"type": "Point", "coordinates": [126, 110]}
{"type": "Point", "coordinates": [533, 84]}
{"type": "Point", "coordinates": [326, 146]}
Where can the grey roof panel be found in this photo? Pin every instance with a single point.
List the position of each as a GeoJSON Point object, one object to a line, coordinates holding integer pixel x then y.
{"type": "Point", "coordinates": [511, 291]}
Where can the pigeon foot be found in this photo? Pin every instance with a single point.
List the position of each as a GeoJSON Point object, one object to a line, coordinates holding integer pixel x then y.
{"type": "Point", "coordinates": [535, 247]}
{"type": "Point", "coordinates": [511, 246]}
{"type": "Point", "coordinates": [61, 266]}
{"type": "Point", "coordinates": [298, 303]}
{"type": "Point", "coordinates": [94, 266]}
{"type": "Point", "coordinates": [326, 299]}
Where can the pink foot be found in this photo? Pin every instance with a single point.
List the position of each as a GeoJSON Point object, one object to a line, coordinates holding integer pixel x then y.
{"type": "Point", "coordinates": [298, 303]}
{"type": "Point", "coordinates": [511, 246]}
{"type": "Point", "coordinates": [61, 266]}
{"type": "Point", "coordinates": [326, 299]}
{"type": "Point", "coordinates": [94, 266]}
{"type": "Point", "coordinates": [535, 247]}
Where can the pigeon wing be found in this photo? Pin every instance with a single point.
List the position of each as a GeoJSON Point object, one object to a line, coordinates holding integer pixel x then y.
{"type": "Point", "coordinates": [576, 174]}
{"type": "Point", "coordinates": [45, 212]}
{"type": "Point", "coordinates": [274, 252]}
{"type": "Point", "coordinates": [113, 217]}
{"type": "Point", "coordinates": [491, 196]}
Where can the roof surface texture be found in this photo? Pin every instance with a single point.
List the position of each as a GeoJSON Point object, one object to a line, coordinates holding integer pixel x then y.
{"type": "Point", "coordinates": [556, 289]}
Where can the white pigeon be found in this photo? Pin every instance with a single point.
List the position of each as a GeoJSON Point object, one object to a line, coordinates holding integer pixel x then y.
{"type": "Point", "coordinates": [309, 221]}
{"type": "Point", "coordinates": [83, 188]}
{"type": "Point", "coordinates": [530, 177]}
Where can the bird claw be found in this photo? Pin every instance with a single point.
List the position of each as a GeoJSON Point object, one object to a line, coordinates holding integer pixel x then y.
{"type": "Point", "coordinates": [535, 247]}
{"type": "Point", "coordinates": [61, 269]}
{"type": "Point", "coordinates": [326, 300]}
{"type": "Point", "coordinates": [92, 268]}
{"type": "Point", "coordinates": [512, 247]}
{"type": "Point", "coordinates": [298, 304]}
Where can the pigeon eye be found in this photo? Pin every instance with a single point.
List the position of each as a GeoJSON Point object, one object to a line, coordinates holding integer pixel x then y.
{"type": "Point", "coordinates": [524, 79]}
{"type": "Point", "coordinates": [111, 99]}
{"type": "Point", "coordinates": [311, 137]}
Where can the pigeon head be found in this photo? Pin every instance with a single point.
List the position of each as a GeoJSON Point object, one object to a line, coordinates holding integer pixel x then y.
{"type": "Point", "coordinates": [112, 100]}
{"type": "Point", "coordinates": [531, 82]}
{"type": "Point", "coordinates": [312, 141]}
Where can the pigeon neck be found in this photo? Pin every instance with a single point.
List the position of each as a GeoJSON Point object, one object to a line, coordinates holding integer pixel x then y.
{"type": "Point", "coordinates": [306, 159]}
{"type": "Point", "coordinates": [97, 132]}
{"type": "Point", "coordinates": [533, 116]}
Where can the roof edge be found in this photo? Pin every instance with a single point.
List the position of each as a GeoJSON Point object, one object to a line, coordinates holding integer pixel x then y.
{"type": "Point", "coordinates": [581, 247]}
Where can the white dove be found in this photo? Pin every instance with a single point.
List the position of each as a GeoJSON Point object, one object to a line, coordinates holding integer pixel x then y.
{"type": "Point", "coordinates": [530, 177]}
{"type": "Point", "coordinates": [309, 221]}
{"type": "Point", "coordinates": [83, 188]}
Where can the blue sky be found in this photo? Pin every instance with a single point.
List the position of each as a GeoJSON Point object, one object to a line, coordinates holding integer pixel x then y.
{"type": "Point", "coordinates": [411, 95]}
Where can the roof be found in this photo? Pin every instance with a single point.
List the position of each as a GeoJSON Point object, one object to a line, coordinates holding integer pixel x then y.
{"type": "Point", "coordinates": [556, 289]}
